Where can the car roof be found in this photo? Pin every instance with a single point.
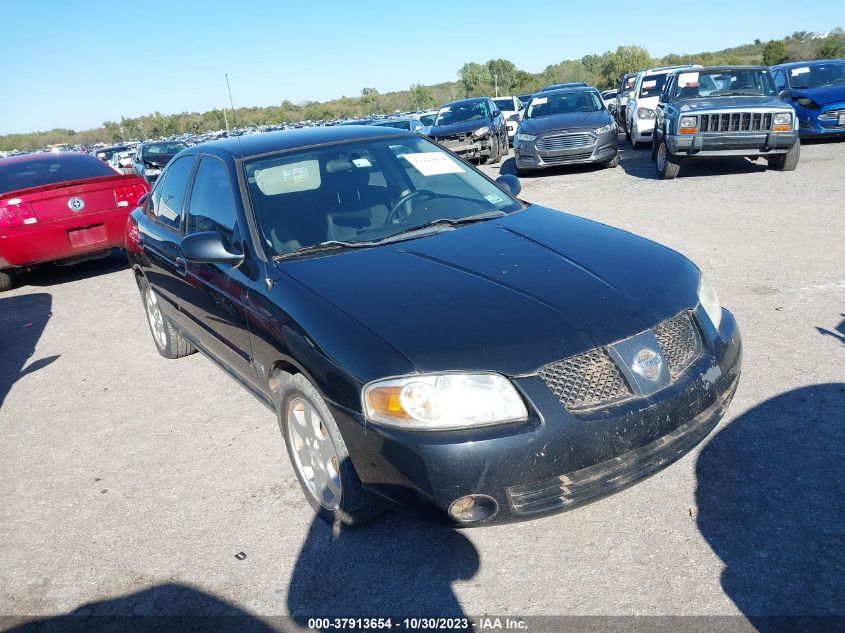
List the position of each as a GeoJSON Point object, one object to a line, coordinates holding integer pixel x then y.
{"type": "Point", "coordinates": [25, 158]}
{"type": "Point", "coordinates": [557, 91]}
{"type": "Point", "coordinates": [470, 100]}
{"type": "Point", "coordinates": [815, 62]}
{"type": "Point", "coordinates": [726, 67]}
{"type": "Point", "coordinates": [283, 140]}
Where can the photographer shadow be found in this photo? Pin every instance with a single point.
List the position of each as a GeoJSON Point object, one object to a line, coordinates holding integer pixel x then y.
{"type": "Point", "coordinates": [770, 504]}
{"type": "Point", "coordinates": [397, 566]}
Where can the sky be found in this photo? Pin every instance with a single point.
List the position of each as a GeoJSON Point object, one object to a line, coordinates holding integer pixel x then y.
{"type": "Point", "coordinates": [77, 64]}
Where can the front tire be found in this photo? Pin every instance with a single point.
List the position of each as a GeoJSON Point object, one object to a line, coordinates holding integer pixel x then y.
{"type": "Point", "coordinates": [7, 280]}
{"type": "Point", "coordinates": [788, 161]}
{"type": "Point", "coordinates": [319, 456]}
{"type": "Point", "coordinates": [169, 342]}
{"type": "Point", "coordinates": [613, 162]}
{"type": "Point", "coordinates": [668, 165]}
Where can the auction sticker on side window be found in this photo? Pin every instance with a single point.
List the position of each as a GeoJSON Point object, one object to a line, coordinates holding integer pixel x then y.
{"type": "Point", "coordinates": [539, 101]}
{"type": "Point", "coordinates": [433, 163]}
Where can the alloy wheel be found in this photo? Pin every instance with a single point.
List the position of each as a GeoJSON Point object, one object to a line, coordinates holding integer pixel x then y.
{"type": "Point", "coordinates": [314, 453]}
{"type": "Point", "coordinates": [155, 317]}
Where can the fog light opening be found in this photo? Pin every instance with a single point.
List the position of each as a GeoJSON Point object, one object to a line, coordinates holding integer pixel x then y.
{"type": "Point", "coordinates": [473, 508]}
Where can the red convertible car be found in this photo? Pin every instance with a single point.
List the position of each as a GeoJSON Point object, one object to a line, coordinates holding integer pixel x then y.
{"type": "Point", "coordinates": [61, 207]}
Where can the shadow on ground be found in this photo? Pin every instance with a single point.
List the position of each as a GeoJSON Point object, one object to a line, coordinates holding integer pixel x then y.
{"type": "Point", "coordinates": [839, 334]}
{"type": "Point", "coordinates": [770, 503]}
{"type": "Point", "coordinates": [22, 321]}
{"type": "Point", "coordinates": [51, 275]}
{"type": "Point", "coordinates": [165, 608]}
{"type": "Point", "coordinates": [399, 566]}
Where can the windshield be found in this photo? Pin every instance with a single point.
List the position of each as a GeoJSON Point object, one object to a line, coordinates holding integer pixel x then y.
{"type": "Point", "coordinates": [652, 85]}
{"type": "Point", "coordinates": [505, 105]}
{"type": "Point", "coordinates": [364, 192]}
{"type": "Point", "coordinates": [56, 168]}
{"type": "Point", "coordinates": [461, 112]}
{"type": "Point", "coordinates": [564, 103]}
{"type": "Point", "coordinates": [827, 74]}
{"type": "Point", "coordinates": [724, 83]}
{"type": "Point", "coordinates": [167, 149]}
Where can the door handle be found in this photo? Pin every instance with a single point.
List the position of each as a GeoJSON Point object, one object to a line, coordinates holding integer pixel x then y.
{"type": "Point", "coordinates": [181, 266]}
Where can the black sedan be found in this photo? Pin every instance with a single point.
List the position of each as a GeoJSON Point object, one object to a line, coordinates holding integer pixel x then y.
{"type": "Point", "coordinates": [422, 334]}
{"type": "Point", "coordinates": [472, 128]}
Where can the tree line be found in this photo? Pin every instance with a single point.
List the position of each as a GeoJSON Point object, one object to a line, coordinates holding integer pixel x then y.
{"type": "Point", "coordinates": [474, 79]}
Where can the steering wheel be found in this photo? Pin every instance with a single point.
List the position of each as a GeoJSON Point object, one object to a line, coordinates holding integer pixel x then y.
{"type": "Point", "coordinates": [393, 214]}
{"type": "Point", "coordinates": [838, 82]}
{"type": "Point", "coordinates": [584, 109]}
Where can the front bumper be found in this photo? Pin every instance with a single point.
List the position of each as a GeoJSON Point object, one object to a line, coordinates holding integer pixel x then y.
{"type": "Point", "coordinates": [65, 239]}
{"type": "Point", "coordinates": [468, 147]}
{"type": "Point", "coordinates": [529, 156]}
{"type": "Point", "coordinates": [709, 145]}
{"type": "Point", "coordinates": [555, 460]}
{"type": "Point", "coordinates": [827, 122]}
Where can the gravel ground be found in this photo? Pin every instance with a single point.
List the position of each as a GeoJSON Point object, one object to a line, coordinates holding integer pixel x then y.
{"type": "Point", "coordinates": [129, 483]}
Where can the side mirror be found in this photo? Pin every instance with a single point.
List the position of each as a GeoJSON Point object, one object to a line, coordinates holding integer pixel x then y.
{"type": "Point", "coordinates": [514, 117]}
{"type": "Point", "coordinates": [495, 113]}
{"type": "Point", "coordinates": [785, 94]}
{"type": "Point", "coordinates": [143, 199]}
{"type": "Point", "coordinates": [208, 247]}
{"type": "Point", "coordinates": [509, 183]}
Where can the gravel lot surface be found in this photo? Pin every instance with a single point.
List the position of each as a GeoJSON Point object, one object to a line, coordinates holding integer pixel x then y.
{"type": "Point", "coordinates": [132, 482]}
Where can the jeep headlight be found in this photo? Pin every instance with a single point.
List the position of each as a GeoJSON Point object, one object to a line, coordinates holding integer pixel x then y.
{"type": "Point", "coordinates": [645, 113]}
{"type": "Point", "coordinates": [443, 401]}
{"type": "Point", "coordinates": [783, 118]}
{"type": "Point", "coordinates": [482, 131]}
{"type": "Point", "coordinates": [710, 301]}
{"type": "Point", "coordinates": [526, 138]}
{"type": "Point", "coordinates": [605, 128]}
{"type": "Point", "coordinates": [688, 122]}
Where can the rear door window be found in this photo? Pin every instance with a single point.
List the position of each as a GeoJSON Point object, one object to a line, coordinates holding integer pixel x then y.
{"type": "Point", "coordinates": [168, 198]}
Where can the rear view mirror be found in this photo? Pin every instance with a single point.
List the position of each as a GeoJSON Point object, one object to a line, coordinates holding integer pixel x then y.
{"type": "Point", "coordinates": [509, 183]}
{"type": "Point", "coordinates": [208, 247]}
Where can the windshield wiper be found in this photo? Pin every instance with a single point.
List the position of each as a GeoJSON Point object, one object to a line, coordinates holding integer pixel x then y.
{"type": "Point", "coordinates": [322, 246]}
{"type": "Point", "coordinates": [479, 217]}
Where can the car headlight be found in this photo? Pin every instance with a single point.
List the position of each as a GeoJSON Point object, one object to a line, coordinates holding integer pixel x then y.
{"type": "Point", "coordinates": [783, 118]}
{"type": "Point", "coordinates": [688, 122]}
{"type": "Point", "coordinates": [443, 401]}
{"type": "Point", "coordinates": [645, 113]}
{"type": "Point", "coordinates": [482, 131]}
{"type": "Point", "coordinates": [605, 128]}
{"type": "Point", "coordinates": [526, 138]}
{"type": "Point", "coordinates": [710, 301]}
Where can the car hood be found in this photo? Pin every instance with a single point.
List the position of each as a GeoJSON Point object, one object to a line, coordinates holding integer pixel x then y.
{"type": "Point", "coordinates": [159, 160]}
{"type": "Point", "coordinates": [822, 95]}
{"type": "Point", "coordinates": [457, 128]}
{"type": "Point", "coordinates": [570, 121]}
{"type": "Point", "coordinates": [506, 295]}
{"type": "Point", "coordinates": [732, 103]}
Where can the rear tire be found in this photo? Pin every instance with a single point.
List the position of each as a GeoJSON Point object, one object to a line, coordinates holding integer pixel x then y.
{"type": "Point", "coordinates": [320, 458]}
{"type": "Point", "coordinates": [667, 164]}
{"type": "Point", "coordinates": [788, 161]}
{"type": "Point", "coordinates": [168, 341]}
{"type": "Point", "coordinates": [7, 280]}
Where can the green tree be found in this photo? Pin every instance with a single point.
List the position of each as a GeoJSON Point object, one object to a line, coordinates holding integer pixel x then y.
{"type": "Point", "coordinates": [421, 96]}
{"type": "Point", "coordinates": [829, 48]}
{"type": "Point", "coordinates": [476, 79]}
{"type": "Point", "coordinates": [504, 75]}
{"type": "Point", "coordinates": [774, 53]}
{"type": "Point", "coordinates": [625, 59]}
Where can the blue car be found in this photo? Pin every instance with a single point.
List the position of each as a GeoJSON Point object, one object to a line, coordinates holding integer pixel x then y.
{"type": "Point", "coordinates": [817, 92]}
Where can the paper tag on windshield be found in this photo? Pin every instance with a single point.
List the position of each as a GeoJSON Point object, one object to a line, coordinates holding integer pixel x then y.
{"type": "Point", "coordinates": [433, 163]}
{"type": "Point", "coordinates": [800, 71]}
{"type": "Point", "coordinates": [650, 84]}
{"type": "Point", "coordinates": [540, 101]}
{"type": "Point", "coordinates": [361, 162]}
{"type": "Point", "coordinates": [494, 199]}
{"type": "Point", "coordinates": [684, 79]}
